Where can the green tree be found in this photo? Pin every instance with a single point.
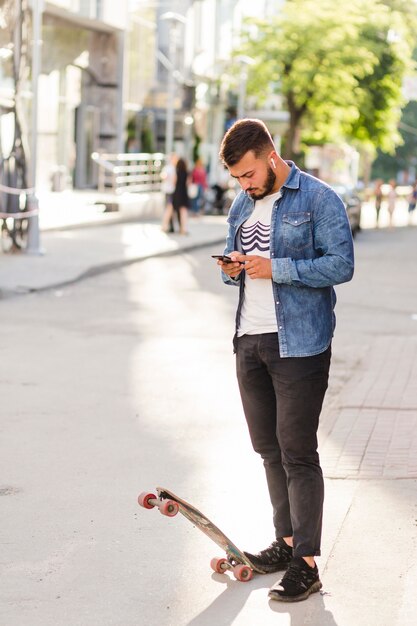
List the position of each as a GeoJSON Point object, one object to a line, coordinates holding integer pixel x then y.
{"type": "Point", "coordinates": [340, 74]}
{"type": "Point", "coordinates": [386, 165]}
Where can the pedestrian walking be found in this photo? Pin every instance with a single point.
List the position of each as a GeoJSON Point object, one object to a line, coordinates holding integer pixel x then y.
{"type": "Point", "coordinates": [290, 243]}
{"type": "Point", "coordinates": [412, 202]}
{"type": "Point", "coordinates": [378, 198]}
{"type": "Point", "coordinates": [180, 198]}
{"type": "Point", "coordinates": [199, 179]}
{"type": "Point", "coordinates": [220, 188]}
{"type": "Point", "coordinates": [169, 178]}
{"type": "Point", "coordinates": [392, 200]}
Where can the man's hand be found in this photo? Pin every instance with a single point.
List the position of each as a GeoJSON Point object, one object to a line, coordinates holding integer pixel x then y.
{"type": "Point", "coordinates": [257, 266]}
{"type": "Point", "coordinates": [231, 269]}
{"type": "Point", "coordinates": [254, 265]}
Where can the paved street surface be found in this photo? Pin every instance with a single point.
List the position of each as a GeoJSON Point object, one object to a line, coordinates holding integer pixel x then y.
{"type": "Point", "coordinates": [113, 382]}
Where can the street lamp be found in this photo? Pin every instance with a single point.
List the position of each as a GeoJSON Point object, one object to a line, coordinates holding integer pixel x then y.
{"type": "Point", "coordinates": [174, 19]}
{"type": "Point", "coordinates": [33, 242]}
{"type": "Point", "coordinates": [244, 61]}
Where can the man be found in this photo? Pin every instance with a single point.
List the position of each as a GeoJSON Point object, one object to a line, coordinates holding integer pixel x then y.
{"type": "Point", "coordinates": [289, 240]}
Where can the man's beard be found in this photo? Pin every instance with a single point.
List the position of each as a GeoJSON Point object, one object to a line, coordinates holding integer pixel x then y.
{"type": "Point", "coordinates": [268, 187]}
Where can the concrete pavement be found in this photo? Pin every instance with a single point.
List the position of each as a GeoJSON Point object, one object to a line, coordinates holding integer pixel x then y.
{"type": "Point", "coordinates": [375, 418]}
{"type": "Point", "coordinates": [75, 245]}
{"type": "Point", "coordinates": [368, 431]}
{"type": "Point", "coordinates": [79, 240]}
{"type": "Point", "coordinates": [368, 436]}
{"type": "Point", "coordinates": [372, 418]}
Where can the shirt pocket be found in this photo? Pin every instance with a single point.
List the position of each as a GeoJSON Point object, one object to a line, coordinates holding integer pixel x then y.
{"type": "Point", "coordinates": [296, 230]}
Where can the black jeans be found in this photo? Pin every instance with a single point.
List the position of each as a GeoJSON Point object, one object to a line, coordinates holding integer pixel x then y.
{"type": "Point", "coordinates": [282, 400]}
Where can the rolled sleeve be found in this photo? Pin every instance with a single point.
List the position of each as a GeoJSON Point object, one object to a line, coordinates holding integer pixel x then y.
{"type": "Point", "coordinates": [281, 271]}
{"type": "Point", "coordinates": [333, 260]}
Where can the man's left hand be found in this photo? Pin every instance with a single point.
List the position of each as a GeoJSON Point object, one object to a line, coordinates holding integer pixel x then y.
{"type": "Point", "coordinates": [256, 266]}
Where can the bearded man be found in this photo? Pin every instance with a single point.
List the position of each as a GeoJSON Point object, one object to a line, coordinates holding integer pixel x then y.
{"type": "Point", "coordinates": [290, 242]}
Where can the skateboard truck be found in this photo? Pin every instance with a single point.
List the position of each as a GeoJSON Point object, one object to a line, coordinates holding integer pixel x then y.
{"type": "Point", "coordinates": [167, 507]}
{"type": "Point", "coordinates": [240, 571]}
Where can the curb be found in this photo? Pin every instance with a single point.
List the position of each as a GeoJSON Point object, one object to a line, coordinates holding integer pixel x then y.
{"type": "Point", "coordinates": [97, 270]}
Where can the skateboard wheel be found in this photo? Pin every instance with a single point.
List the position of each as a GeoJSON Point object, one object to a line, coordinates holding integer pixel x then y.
{"type": "Point", "coordinates": [143, 499]}
{"type": "Point", "coordinates": [242, 573]}
{"type": "Point", "coordinates": [219, 565]}
{"type": "Point", "coordinates": [169, 508]}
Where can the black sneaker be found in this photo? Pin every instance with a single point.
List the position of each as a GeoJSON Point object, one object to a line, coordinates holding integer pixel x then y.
{"type": "Point", "coordinates": [298, 582]}
{"type": "Point", "coordinates": [272, 559]}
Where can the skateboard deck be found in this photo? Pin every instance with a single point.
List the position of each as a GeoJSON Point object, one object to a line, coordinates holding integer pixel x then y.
{"type": "Point", "coordinates": [169, 504]}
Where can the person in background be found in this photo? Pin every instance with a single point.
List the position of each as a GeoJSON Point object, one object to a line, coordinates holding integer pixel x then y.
{"type": "Point", "coordinates": [169, 178]}
{"type": "Point", "coordinates": [378, 198]}
{"type": "Point", "coordinates": [392, 200]}
{"type": "Point", "coordinates": [220, 188]}
{"type": "Point", "coordinates": [199, 178]}
{"type": "Point", "coordinates": [412, 202]}
{"type": "Point", "coordinates": [180, 199]}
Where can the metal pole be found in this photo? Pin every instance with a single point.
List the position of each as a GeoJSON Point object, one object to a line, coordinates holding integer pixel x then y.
{"type": "Point", "coordinates": [173, 20]}
{"type": "Point", "coordinates": [242, 94]}
{"type": "Point", "coordinates": [169, 129]}
{"type": "Point", "coordinates": [121, 46]}
{"type": "Point", "coordinates": [33, 243]}
{"type": "Point", "coordinates": [244, 62]}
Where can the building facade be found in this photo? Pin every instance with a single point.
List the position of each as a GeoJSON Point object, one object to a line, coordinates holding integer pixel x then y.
{"type": "Point", "coordinates": [80, 85]}
{"type": "Point", "coordinates": [194, 46]}
{"type": "Point", "coordinates": [128, 76]}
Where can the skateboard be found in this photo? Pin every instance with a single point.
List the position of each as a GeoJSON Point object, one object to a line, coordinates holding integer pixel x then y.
{"type": "Point", "coordinates": [169, 504]}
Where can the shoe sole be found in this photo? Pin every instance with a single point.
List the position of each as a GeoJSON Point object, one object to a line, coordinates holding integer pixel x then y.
{"type": "Point", "coordinates": [274, 569]}
{"type": "Point", "coordinates": [267, 569]}
{"type": "Point", "coordinates": [274, 595]}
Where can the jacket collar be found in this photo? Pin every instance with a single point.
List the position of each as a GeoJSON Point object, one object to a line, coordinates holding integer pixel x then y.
{"type": "Point", "coordinates": [293, 178]}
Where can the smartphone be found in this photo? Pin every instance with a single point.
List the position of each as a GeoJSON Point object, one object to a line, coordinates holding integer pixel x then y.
{"type": "Point", "coordinates": [222, 257]}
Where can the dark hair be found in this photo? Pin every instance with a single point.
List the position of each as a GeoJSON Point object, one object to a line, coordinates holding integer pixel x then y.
{"type": "Point", "coordinates": [243, 136]}
{"type": "Point", "coordinates": [181, 166]}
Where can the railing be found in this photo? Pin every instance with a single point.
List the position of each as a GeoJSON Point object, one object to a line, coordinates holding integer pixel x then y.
{"type": "Point", "coordinates": [16, 205]}
{"type": "Point", "coordinates": [129, 172]}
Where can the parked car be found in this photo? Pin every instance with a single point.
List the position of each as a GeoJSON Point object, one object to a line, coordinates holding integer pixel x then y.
{"type": "Point", "coordinates": [353, 204]}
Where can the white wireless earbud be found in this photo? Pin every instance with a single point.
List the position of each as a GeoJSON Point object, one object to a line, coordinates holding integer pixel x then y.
{"type": "Point", "coordinates": [273, 163]}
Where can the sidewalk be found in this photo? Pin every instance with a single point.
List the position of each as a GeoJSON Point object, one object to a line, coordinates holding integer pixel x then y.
{"type": "Point", "coordinates": [79, 239]}
{"type": "Point", "coordinates": [367, 429]}
{"type": "Point", "coordinates": [84, 542]}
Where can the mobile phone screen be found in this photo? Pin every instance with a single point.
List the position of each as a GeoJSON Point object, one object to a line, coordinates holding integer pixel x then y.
{"type": "Point", "coordinates": [222, 257]}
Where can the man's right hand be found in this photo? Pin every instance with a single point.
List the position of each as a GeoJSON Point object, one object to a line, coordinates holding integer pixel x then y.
{"type": "Point", "coordinates": [232, 269]}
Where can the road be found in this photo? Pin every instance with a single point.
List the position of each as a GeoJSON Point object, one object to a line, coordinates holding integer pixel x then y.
{"type": "Point", "coordinates": [126, 381]}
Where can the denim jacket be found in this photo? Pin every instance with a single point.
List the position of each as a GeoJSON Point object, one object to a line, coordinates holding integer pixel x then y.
{"type": "Point", "coordinates": [311, 250]}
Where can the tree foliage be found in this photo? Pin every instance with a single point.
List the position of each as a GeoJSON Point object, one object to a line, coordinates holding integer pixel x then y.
{"type": "Point", "coordinates": [387, 166]}
{"type": "Point", "coordinates": [340, 73]}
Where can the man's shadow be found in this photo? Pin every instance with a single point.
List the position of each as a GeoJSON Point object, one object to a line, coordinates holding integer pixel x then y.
{"type": "Point", "coordinates": [229, 604]}
{"type": "Point", "coordinates": [310, 612]}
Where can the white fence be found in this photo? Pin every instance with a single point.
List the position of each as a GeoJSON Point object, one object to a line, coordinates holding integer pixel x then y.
{"type": "Point", "coordinates": [129, 172]}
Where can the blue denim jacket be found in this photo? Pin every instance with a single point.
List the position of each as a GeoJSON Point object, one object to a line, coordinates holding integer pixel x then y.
{"type": "Point", "coordinates": [311, 250]}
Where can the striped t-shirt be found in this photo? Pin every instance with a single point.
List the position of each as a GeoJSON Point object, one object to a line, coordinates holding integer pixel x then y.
{"type": "Point", "coordinates": [258, 310]}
